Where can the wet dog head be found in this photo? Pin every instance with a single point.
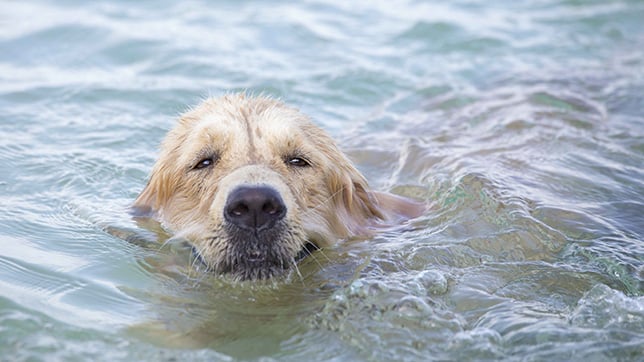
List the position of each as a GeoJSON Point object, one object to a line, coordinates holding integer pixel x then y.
{"type": "Point", "coordinates": [254, 185]}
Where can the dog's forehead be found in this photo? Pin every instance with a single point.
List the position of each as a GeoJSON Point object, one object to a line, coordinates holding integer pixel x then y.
{"type": "Point", "coordinates": [272, 123]}
{"type": "Point", "coordinates": [274, 126]}
{"type": "Point", "coordinates": [269, 132]}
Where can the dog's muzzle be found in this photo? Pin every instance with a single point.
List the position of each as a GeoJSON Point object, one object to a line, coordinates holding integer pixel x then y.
{"type": "Point", "coordinates": [254, 207]}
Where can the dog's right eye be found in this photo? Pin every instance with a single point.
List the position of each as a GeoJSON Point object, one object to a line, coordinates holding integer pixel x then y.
{"type": "Point", "coordinates": [298, 162]}
{"type": "Point", "coordinates": [206, 162]}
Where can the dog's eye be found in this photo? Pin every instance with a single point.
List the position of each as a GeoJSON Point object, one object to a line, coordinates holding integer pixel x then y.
{"type": "Point", "coordinates": [298, 162]}
{"type": "Point", "coordinates": [206, 162]}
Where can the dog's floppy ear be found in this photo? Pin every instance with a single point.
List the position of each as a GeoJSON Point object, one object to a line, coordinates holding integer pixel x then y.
{"type": "Point", "coordinates": [354, 206]}
{"type": "Point", "coordinates": [360, 209]}
{"type": "Point", "coordinates": [157, 193]}
{"type": "Point", "coordinates": [163, 184]}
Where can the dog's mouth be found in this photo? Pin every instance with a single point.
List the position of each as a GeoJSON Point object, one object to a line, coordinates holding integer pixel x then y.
{"type": "Point", "coordinates": [256, 263]}
{"type": "Point", "coordinates": [308, 249]}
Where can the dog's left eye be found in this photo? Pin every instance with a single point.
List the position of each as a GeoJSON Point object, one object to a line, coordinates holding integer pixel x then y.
{"type": "Point", "coordinates": [298, 162]}
{"type": "Point", "coordinates": [206, 162]}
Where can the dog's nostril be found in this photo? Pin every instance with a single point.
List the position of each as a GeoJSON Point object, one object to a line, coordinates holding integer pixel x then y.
{"type": "Point", "coordinates": [271, 208]}
{"type": "Point", "coordinates": [256, 207]}
{"type": "Point", "coordinates": [239, 210]}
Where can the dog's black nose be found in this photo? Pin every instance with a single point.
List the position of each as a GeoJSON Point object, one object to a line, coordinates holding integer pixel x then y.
{"type": "Point", "coordinates": [254, 207]}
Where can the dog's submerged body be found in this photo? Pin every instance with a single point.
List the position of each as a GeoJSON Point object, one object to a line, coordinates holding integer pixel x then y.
{"type": "Point", "coordinates": [254, 186]}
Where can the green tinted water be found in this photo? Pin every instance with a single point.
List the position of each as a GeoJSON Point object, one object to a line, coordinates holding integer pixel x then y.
{"type": "Point", "coordinates": [519, 124]}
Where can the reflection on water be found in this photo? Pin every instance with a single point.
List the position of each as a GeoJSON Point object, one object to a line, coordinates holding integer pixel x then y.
{"type": "Point", "coordinates": [519, 124]}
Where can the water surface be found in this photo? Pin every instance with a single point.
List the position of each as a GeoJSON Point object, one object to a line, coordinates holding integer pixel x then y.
{"type": "Point", "coordinates": [520, 124]}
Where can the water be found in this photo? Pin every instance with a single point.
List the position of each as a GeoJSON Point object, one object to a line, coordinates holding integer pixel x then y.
{"type": "Point", "coordinates": [520, 123]}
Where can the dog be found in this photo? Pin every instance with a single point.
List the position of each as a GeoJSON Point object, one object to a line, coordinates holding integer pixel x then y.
{"type": "Point", "coordinates": [255, 186]}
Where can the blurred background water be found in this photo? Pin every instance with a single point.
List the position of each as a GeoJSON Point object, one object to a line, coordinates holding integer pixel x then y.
{"type": "Point", "coordinates": [520, 123]}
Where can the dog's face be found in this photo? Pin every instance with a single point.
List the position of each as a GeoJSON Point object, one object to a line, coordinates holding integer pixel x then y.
{"type": "Point", "coordinates": [254, 185]}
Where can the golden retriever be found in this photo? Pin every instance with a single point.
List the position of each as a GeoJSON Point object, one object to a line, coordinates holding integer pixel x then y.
{"type": "Point", "coordinates": [255, 186]}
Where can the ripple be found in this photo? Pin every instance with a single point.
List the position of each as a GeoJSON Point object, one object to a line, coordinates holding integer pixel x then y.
{"type": "Point", "coordinates": [605, 308]}
{"type": "Point", "coordinates": [415, 322]}
{"type": "Point", "coordinates": [58, 294]}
